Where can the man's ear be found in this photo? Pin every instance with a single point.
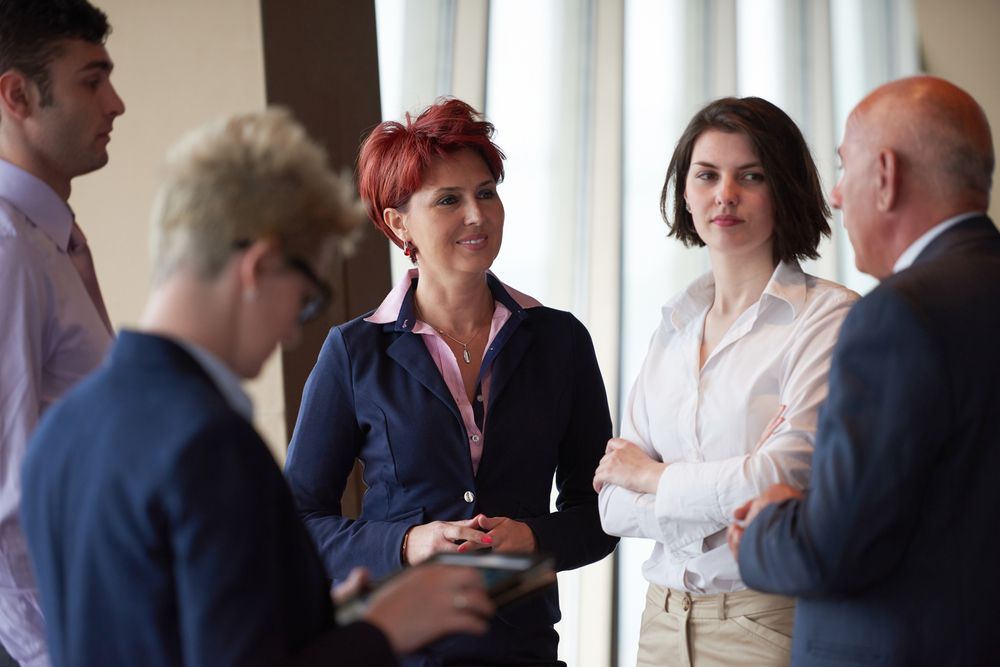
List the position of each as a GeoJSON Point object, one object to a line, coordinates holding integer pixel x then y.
{"type": "Point", "coordinates": [888, 180]}
{"type": "Point", "coordinates": [18, 95]}
{"type": "Point", "coordinates": [256, 260]}
{"type": "Point", "coordinates": [396, 223]}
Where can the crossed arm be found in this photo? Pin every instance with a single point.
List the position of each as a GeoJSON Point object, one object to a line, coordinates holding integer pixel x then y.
{"type": "Point", "coordinates": [881, 431]}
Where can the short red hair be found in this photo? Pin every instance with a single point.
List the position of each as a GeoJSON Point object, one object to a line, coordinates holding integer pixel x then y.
{"type": "Point", "coordinates": [395, 157]}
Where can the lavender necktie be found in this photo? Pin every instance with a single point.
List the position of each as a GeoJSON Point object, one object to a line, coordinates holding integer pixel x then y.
{"type": "Point", "coordinates": [79, 254]}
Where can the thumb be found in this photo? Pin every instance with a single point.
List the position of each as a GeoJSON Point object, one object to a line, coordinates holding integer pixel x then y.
{"type": "Point", "coordinates": [489, 523]}
{"type": "Point", "coordinates": [741, 512]}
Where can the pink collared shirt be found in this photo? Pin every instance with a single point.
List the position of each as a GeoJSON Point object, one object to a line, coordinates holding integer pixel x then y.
{"type": "Point", "coordinates": [445, 361]}
{"type": "Point", "coordinates": [51, 336]}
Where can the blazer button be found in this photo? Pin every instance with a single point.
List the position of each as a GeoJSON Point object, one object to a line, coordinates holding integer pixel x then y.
{"type": "Point", "coordinates": [469, 497]}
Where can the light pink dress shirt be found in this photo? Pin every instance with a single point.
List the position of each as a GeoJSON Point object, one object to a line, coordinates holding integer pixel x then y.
{"type": "Point", "coordinates": [51, 336]}
{"type": "Point", "coordinates": [445, 360]}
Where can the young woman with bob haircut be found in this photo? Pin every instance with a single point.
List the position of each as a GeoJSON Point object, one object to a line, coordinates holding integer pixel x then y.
{"type": "Point", "coordinates": [726, 400]}
{"type": "Point", "coordinates": [461, 396]}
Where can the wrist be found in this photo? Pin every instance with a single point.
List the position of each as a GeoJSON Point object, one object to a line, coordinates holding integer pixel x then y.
{"type": "Point", "coordinates": [402, 547]}
{"type": "Point", "coordinates": [653, 474]}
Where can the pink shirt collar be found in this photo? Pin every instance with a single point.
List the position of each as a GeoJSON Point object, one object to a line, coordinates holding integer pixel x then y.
{"type": "Point", "coordinates": [393, 302]}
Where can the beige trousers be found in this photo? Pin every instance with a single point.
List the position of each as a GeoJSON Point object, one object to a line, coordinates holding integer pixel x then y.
{"type": "Point", "coordinates": [732, 629]}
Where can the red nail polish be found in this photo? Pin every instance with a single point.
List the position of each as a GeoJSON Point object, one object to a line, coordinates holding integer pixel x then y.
{"type": "Point", "coordinates": [461, 548]}
{"type": "Point", "coordinates": [487, 539]}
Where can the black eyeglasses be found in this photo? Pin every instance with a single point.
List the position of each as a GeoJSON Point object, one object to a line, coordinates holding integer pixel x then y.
{"type": "Point", "coordinates": [315, 306]}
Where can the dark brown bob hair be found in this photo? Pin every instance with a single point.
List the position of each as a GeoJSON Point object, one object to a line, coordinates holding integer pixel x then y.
{"type": "Point", "coordinates": [800, 208]}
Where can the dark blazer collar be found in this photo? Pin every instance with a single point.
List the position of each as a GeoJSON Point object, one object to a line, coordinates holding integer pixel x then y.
{"type": "Point", "coordinates": [136, 349]}
{"type": "Point", "coordinates": [973, 230]}
{"type": "Point", "coordinates": [407, 317]}
{"type": "Point", "coordinates": [411, 353]}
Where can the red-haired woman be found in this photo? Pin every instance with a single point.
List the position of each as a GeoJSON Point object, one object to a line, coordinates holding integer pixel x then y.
{"type": "Point", "coordinates": [461, 396]}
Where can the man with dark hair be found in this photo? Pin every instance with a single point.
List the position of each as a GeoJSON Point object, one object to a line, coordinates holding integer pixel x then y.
{"type": "Point", "coordinates": [892, 551]}
{"type": "Point", "coordinates": [57, 107]}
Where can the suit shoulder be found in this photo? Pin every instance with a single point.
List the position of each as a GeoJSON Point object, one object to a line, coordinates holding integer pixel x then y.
{"type": "Point", "coordinates": [353, 330]}
{"type": "Point", "coordinates": [560, 329]}
{"type": "Point", "coordinates": [544, 316]}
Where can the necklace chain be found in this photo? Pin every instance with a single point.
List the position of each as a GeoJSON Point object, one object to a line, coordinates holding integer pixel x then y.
{"type": "Point", "coordinates": [465, 346]}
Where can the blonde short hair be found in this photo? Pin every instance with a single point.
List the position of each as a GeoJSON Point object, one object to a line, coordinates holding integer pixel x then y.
{"type": "Point", "coordinates": [241, 178]}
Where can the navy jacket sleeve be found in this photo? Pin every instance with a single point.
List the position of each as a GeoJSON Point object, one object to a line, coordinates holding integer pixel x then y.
{"type": "Point", "coordinates": [240, 561]}
{"type": "Point", "coordinates": [321, 457]}
{"type": "Point", "coordinates": [880, 433]}
{"type": "Point", "coordinates": [573, 534]}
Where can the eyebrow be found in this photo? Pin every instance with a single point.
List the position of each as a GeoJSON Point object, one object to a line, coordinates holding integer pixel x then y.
{"type": "Point", "coordinates": [748, 165]}
{"type": "Point", "coordinates": [455, 188]}
{"type": "Point", "coordinates": [104, 65]}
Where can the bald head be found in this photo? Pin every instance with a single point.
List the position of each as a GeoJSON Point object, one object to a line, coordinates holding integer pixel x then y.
{"type": "Point", "coordinates": [916, 152]}
{"type": "Point", "coordinates": [941, 135]}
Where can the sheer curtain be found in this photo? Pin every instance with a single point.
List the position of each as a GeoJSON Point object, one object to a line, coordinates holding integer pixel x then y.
{"type": "Point", "coordinates": [589, 98]}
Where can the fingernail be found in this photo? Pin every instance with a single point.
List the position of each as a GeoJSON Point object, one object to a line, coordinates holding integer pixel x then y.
{"type": "Point", "coordinates": [487, 539]}
{"type": "Point", "coordinates": [462, 548]}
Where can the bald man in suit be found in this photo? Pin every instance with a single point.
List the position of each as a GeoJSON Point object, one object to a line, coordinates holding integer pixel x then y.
{"type": "Point", "coordinates": [891, 551]}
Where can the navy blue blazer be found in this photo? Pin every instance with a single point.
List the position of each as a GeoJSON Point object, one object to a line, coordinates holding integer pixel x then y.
{"type": "Point", "coordinates": [892, 553]}
{"type": "Point", "coordinates": [376, 394]}
{"type": "Point", "coordinates": [162, 532]}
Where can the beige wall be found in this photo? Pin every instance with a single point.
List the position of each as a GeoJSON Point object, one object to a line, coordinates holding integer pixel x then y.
{"type": "Point", "coordinates": [960, 41]}
{"type": "Point", "coordinates": [178, 63]}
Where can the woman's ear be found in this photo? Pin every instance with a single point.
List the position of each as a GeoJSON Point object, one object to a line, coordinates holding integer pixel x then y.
{"type": "Point", "coordinates": [396, 222]}
{"type": "Point", "coordinates": [256, 260]}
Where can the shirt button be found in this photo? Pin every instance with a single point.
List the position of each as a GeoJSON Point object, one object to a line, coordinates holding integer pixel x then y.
{"type": "Point", "coordinates": [475, 438]}
{"type": "Point", "coordinates": [469, 496]}
{"type": "Point", "coordinates": [479, 398]}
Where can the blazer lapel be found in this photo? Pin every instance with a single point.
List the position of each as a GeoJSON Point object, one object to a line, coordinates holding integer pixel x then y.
{"type": "Point", "coordinates": [410, 352]}
{"type": "Point", "coordinates": [508, 360]}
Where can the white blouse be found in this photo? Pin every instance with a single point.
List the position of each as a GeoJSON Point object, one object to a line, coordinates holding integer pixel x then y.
{"type": "Point", "coordinates": [707, 422]}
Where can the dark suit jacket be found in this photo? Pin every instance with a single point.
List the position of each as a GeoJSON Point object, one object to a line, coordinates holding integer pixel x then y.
{"type": "Point", "coordinates": [892, 552]}
{"type": "Point", "coordinates": [162, 532]}
{"type": "Point", "coordinates": [376, 394]}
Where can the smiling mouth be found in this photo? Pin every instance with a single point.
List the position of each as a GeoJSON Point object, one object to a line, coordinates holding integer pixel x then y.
{"type": "Point", "coordinates": [473, 241]}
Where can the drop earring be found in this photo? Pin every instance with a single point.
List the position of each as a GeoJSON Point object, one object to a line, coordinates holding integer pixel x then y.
{"type": "Point", "coordinates": [408, 249]}
{"type": "Point", "coordinates": [687, 206]}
